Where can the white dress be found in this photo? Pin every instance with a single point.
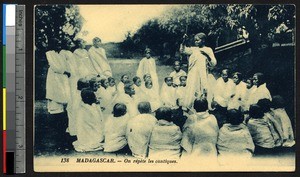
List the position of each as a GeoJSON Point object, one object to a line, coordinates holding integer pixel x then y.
{"type": "Point", "coordinates": [176, 76]}
{"type": "Point", "coordinates": [85, 67]}
{"type": "Point", "coordinates": [197, 72]}
{"type": "Point", "coordinates": [57, 89]}
{"type": "Point", "coordinates": [167, 95]}
{"type": "Point", "coordinates": [90, 128]}
{"type": "Point", "coordinates": [223, 91]}
{"type": "Point", "coordinates": [99, 61]}
{"type": "Point", "coordinates": [148, 66]}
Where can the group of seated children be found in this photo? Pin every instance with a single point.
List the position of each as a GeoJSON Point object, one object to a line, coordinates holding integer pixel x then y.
{"type": "Point", "coordinates": [237, 118]}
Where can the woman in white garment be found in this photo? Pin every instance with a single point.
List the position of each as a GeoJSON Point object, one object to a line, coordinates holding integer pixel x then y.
{"type": "Point", "coordinates": [200, 56]}
{"type": "Point", "coordinates": [85, 65]}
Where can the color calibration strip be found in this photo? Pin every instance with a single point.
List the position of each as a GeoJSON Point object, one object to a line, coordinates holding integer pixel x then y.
{"type": "Point", "coordinates": [13, 89]}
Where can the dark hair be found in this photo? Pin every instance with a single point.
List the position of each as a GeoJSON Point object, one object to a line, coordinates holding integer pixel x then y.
{"type": "Point", "coordinates": [234, 117]}
{"type": "Point", "coordinates": [261, 77]}
{"type": "Point", "coordinates": [182, 77]}
{"type": "Point", "coordinates": [201, 105]}
{"type": "Point", "coordinates": [168, 78]}
{"type": "Point", "coordinates": [145, 75]}
{"type": "Point", "coordinates": [201, 36]}
{"type": "Point", "coordinates": [277, 102]}
{"type": "Point", "coordinates": [110, 79]}
{"type": "Point", "coordinates": [119, 110]}
{"type": "Point", "coordinates": [92, 81]}
{"type": "Point", "coordinates": [88, 96]}
{"type": "Point", "coordinates": [78, 42]}
{"type": "Point", "coordinates": [148, 82]}
{"type": "Point", "coordinates": [144, 107]}
{"type": "Point", "coordinates": [102, 81]}
{"type": "Point", "coordinates": [96, 38]}
{"type": "Point", "coordinates": [122, 77]}
{"type": "Point", "coordinates": [255, 111]}
{"type": "Point", "coordinates": [164, 113]}
{"type": "Point", "coordinates": [240, 76]}
{"type": "Point", "coordinates": [127, 85]}
{"type": "Point", "coordinates": [82, 83]}
{"type": "Point", "coordinates": [135, 78]}
{"type": "Point", "coordinates": [265, 105]}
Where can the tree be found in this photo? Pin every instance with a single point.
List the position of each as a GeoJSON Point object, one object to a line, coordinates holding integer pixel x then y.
{"type": "Point", "coordinates": [52, 21]}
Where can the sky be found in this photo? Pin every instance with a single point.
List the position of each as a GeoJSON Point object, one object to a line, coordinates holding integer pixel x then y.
{"type": "Point", "coordinates": [112, 22]}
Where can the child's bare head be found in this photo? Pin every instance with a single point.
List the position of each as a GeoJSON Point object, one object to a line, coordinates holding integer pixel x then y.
{"type": "Point", "coordinates": [111, 81]}
{"type": "Point", "coordinates": [177, 65]}
{"type": "Point", "coordinates": [88, 96]}
{"type": "Point", "coordinates": [183, 80]}
{"type": "Point", "coordinates": [124, 78]}
{"type": "Point", "coordinates": [97, 42]}
{"type": "Point", "coordinates": [144, 107]}
{"type": "Point", "coordinates": [129, 88]}
{"type": "Point", "coordinates": [237, 77]}
{"type": "Point", "coordinates": [169, 81]}
{"type": "Point", "coordinates": [93, 84]}
{"type": "Point", "coordinates": [104, 83]}
{"type": "Point", "coordinates": [235, 117]}
{"type": "Point", "coordinates": [82, 83]}
{"type": "Point", "coordinates": [164, 113]}
{"type": "Point", "coordinates": [137, 81]}
{"type": "Point", "coordinates": [256, 112]}
{"type": "Point", "coordinates": [201, 105]}
{"type": "Point", "coordinates": [147, 77]}
{"type": "Point", "coordinates": [119, 110]}
{"type": "Point", "coordinates": [148, 84]}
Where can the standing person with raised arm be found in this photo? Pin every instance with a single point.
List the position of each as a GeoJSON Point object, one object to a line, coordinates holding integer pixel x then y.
{"type": "Point", "coordinates": [200, 57]}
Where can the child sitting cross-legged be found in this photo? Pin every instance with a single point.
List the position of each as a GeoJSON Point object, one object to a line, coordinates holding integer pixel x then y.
{"type": "Point", "coordinates": [115, 130]}
{"type": "Point", "coordinates": [234, 140]}
{"type": "Point", "coordinates": [166, 136]}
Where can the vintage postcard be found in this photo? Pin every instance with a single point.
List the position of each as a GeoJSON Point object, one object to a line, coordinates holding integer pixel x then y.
{"type": "Point", "coordinates": [162, 87]}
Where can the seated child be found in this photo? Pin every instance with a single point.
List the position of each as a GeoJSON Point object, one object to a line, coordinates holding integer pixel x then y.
{"type": "Point", "coordinates": [261, 92]}
{"type": "Point", "coordinates": [283, 119]}
{"type": "Point", "coordinates": [200, 133]}
{"type": "Point", "coordinates": [115, 130]}
{"type": "Point", "coordinates": [166, 136]}
{"type": "Point", "coordinates": [74, 104]}
{"type": "Point", "coordinates": [234, 139]}
{"type": "Point", "coordinates": [178, 115]}
{"type": "Point", "coordinates": [265, 105]}
{"type": "Point", "coordinates": [246, 99]}
{"type": "Point", "coordinates": [105, 95]}
{"type": "Point", "coordinates": [167, 93]}
{"type": "Point", "coordinates": [137, 87]}
{"type": "Point", "coordinates": [89, 124]}
{"type": "Point", "coordinates": [112, 86]}
{"type": "Point", "coordinates": [139, 130]}
{"type": "Point", "coordinates": [239, 90]}
{"type": "Point", "coordinates": [181, 89]}
{"type": "Point", "coordinates": [177, 73]}
{"type": "Point", "coordinates": [152, 96]}
{"type": "Point", "coordinates": [121, 84]}
{"type": "Point", "coordinates": [261, 130]}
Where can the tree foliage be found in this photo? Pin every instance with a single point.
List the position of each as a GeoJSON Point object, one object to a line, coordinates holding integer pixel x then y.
{"type": "Point", "coordinates": [219, 22]}
{"type": "Point", "coordinates": [56, 21]}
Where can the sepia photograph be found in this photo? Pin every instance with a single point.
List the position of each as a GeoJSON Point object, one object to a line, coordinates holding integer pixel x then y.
{"type": "Point", "coordinates": [164, 87]}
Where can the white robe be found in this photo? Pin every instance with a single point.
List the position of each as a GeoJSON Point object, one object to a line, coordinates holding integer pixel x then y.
{"type": "Point", "coordinates": [120, 87]}
{"type": "Point", "coordinates": [99, 61]}
{"type": "Point", "coordinates": [281, 116]}
{"type": "Point", "coordinates": [199, 139]}
{"type": "Point", "coordinates": [90, 128]}
{"type": "Point", "coordinates": [130, 102]}
{"type": "Point", "coordinates": [85, 67]}
{"type": "Point", "coordinates": [239, 91]}
{"type": "Point", "coordinates": [138, 133]}
{"type": "Point", "coordinates": [210, 90]}
{"type": "Point", "coordinates": [262, 92]}
{"type": "Point", "coordinates": [234, 142]}
{"type": "Point", "coordinates": [223, 91]}
{"type": "Point", "coordinates": [72, 68]}
{"type": "Point", "coordinates": [197, 72]}
{"type": "Point", "coordinates": [105, 97]}
{"type": "Point", "coordinates": [167, 95]}
{"type": "Point", "coordinates": [115, 133]}
{"type": "Point", "coordinates": [148, 66]}
{"type": "Point", "coordinates": [153, 97]}
{"type": "Point", "coordinates": [246, 99]}
{"type": "Point", "coordinates": [57, 83]}
{"type": "Point", "coordinates": [176, 76]}
{"type": "Point", "coordinates": [165, 141]}
{"type": "Point", "coordinates": [180, 93]}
